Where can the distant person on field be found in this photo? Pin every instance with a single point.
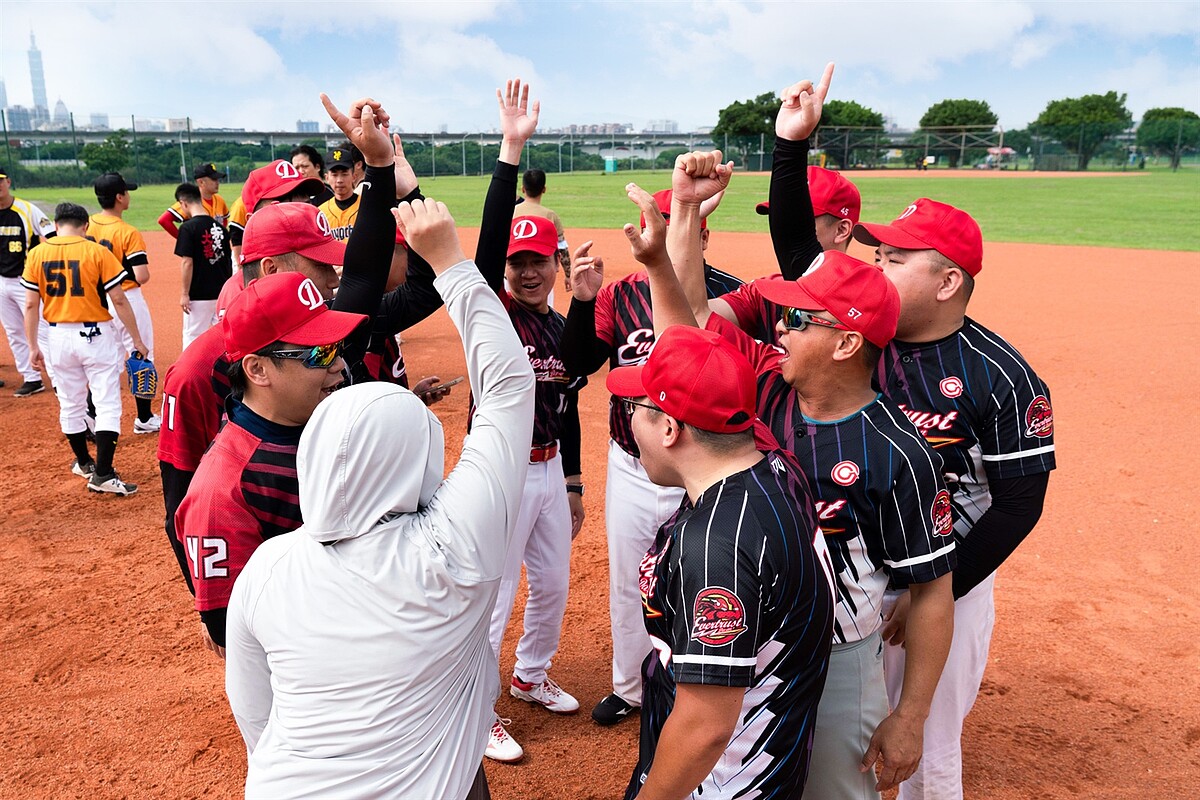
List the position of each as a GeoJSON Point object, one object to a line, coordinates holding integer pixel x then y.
{"type": "Point", "coordinates": [208, 178]}
{"type": "Point", "coordinates": [533, 187]}
{"type": "Point", "coordinates": [22, 226]}
{"type": "Point", "coordinates": [204, 265]}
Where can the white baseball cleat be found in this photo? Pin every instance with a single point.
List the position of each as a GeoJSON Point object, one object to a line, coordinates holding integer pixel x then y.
{"type": "Point", "coordinates": [112, 484]}
{"type": "Point", "coordinates": [85, 471]}
{"type": "Point", "coordinates": [501, 746]}
{"type": "Point", "coordinates": [547, 693]}
{"type": "Point", "coordinates": [151, 425]}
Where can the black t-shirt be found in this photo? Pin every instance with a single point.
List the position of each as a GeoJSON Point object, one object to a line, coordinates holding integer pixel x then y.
{"type": "Point", "coordinates": [206, 241]}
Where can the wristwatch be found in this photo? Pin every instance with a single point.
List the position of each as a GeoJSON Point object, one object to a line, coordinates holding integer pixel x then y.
{"type": "Point", "coordinates": [577, 488]}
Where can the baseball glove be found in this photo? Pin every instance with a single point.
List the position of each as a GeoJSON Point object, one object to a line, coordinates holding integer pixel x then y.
{"type": "Point", "coordinates": [143, 376]}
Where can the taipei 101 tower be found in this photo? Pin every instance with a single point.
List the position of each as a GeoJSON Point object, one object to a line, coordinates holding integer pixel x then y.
{"type": "Point", "coordinates": [41, 108]}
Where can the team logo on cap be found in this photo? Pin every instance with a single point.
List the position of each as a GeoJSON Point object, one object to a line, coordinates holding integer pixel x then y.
{"type": "Point", "coordinates": [525, 229]}
{"type": "Point", "coordinates": [1039, 418]}
{"type": "Point", "coordinates": [719, 617]}
{"type": "Point", "coordinates": [943, 517]}
{"type": "Point", "coordinates": [908, 212]}
{"type": "Point", "coordinates": [844, 473]}
{"type": "Point", "coordinates": [285, 170]}
{"type": "Point", "coordinates": [323, 224]}
{"type": "Point", "coordinates": [951, 387]}
{"type": "Point", "coordinates": [337, 155]}
{"type": "Point", "coordinates": [309, 295]}
{"type": "Point", "coordinates": [816, 263]}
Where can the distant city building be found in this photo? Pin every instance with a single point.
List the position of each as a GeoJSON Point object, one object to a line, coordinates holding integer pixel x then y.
{"type": "Point", "coordinates": [705, 129]}
{"type": "Point", "coordinates": [662, 126]}
{"type": "Point", "coordinates": [37, 75]}
{"type": "Point", "coordinates": [177, 124]}
{"type": "Point", "coordinates": [607, 128]}
{"type": "Point", "coordinates": [308, 126]}
{"type": "Point", "coordinates": [98, 121]}
{"type": "Point", "coordinates": [3, 95]}
{"type": "Point", "coordinates": [61, 116]}
{"type": "Point", "coordinates": [144, 125]}
{"type": "Point", "coordinates": [19, 118]}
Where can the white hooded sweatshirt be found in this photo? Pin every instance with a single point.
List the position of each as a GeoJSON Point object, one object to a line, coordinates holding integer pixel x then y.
{"type": "Point", "coordinates": [358, 655]}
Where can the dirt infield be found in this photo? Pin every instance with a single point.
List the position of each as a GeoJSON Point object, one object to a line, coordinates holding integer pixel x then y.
{"type": "Point", "coordinates": [1091, 690]}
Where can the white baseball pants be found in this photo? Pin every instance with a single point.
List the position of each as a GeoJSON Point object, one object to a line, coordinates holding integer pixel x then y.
{"type": "Point", "coordinates": [634, 508]}
{"type": "Point", "coordinates": [81, 361]}
{"type": "Point", "coordinates": [12, 317]}
{"type": "Point", "coordinates": [203, 317]}
{"type": "Point", "coordinates": [141, 313]}
{"type": "Point", "coordinates": [939, 775]}
{"type": "Point", "coordinates": [542, 541]}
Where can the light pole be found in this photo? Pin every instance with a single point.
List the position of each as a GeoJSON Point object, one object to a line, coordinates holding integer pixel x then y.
{"type": "Point", "coordinates": [464, 153]}
{"type": "Point", "coordinates": [560, 141]}
{"type": "Point", "coordinates": [433, 154]}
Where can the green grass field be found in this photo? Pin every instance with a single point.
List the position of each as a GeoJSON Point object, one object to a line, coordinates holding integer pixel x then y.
{"type": "Point", "coordinates": [1152, 210]}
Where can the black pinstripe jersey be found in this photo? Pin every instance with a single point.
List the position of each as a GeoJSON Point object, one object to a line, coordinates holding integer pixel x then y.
{"type": "Point", "coordinates": [736, 593]}
{"type": "Point", "coordinates": [979, 405]}
{"type": "Point", "coordinates": [880, 498]}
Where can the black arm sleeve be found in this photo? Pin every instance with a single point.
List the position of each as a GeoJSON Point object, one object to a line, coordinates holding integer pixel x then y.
{"type": "Point", "coordinates": [214, 620]}
{"type": "Point", "coordinates": [582, 351]}
{"type": "Point", "coordinates": [368, 255]}
{"type": "Point", "coordinates": [793, 228]}
{"type": "Point", "coordinates": [1016, 507]}
{"type": "Point", "coordinates": [494, 228]}
{"type": "Point", "coordinates": [175, 483]}
{"type": "Point", "coordinates": [571, 436]}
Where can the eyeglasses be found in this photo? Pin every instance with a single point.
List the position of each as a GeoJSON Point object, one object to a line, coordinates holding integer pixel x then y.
{"type": "Point", "coordinates": [319, 357]}
{"type": "Point", "coordinates": [630, 405]}
{"type": "Point", "coordinates": [796, 320]}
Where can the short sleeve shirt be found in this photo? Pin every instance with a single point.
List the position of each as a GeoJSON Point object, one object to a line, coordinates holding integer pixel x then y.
{"type": "Point", "coordinates": [206, 241]}
{"type": "Point", "coordinates": [122, 240]}
{"type": "Point", "coordinates": [73, 276]}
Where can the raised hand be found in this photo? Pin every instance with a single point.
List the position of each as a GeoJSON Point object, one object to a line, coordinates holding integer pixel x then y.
{"type": "Point", "coordinates": [406, 178]}
{"type": "Point", "coordinates": [699, 176]}
{"type": "Point", "coordinates": [516, 123]}
{"type": "Point", "coordinates": [429, 229]}
{"type": "Point", "coordinates": [366, 127]}
{"type": "Point", "coordinates": [587, 273]}
{"type": "Point", "coordinates": [649, 245]}
{"type": "Point", "coordinates": [801, 108]}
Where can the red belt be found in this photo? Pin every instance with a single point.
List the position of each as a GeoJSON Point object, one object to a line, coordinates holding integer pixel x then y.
{"type": "Point", "coordinates": [537, 455]}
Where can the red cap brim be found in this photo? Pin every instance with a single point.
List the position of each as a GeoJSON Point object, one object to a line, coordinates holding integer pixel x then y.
{"type": "Point", "coordinates": [626, 382]}
{"type": "Point", "coordinates": [764, 207]}
{"type": "Point", "coordinates": [521, 245]}
{"type": "Point", "coordinates": [329, 252]}
{"type": "Point", "coordinates": [787, 293]}
{"type": "Point", "coordinates": [874, 234]}
{"type": "Point", "coordinates": [331, 326]}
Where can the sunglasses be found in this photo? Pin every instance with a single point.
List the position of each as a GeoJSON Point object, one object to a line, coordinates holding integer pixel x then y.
{"type": "Point", "coordinates": [630, 405]}
{"type": "Point", "coordinates": [319, 357]}
{"type": "Point", "coordinates": [795, 319]}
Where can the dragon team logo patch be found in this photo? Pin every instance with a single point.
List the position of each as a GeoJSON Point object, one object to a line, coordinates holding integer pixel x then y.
{"type": "Point", "coordinates": [1039, 418]}
{"type": "Point", "coordinates": [951, 387]}
{"type": "Point", "coordinates": [719, 616]}
{"type": "Point", "coordinates": [844, 473]}
{"type": "Point", "coordinates": [943, 517]}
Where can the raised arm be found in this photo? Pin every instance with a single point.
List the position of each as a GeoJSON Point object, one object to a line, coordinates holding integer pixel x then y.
{"type": "Point", "coordinates": [582, 350]}
{"type": "Point", "coordinates": [697, 178]}
{"type": "Point", "coordinates": [649, 247]}
{"type": "Point", "coordinates": [793, 229]}
{"type": "Point", "coordinates": [517, 124]}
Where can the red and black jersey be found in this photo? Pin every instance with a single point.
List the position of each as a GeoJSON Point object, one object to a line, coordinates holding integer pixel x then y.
{"type": "Point", "coordinates": [736, 594]}
{"type": "Point", "coordinates": [245, 491]}
{"type": "Point", "coordinates": [756, 315]}
{"type": "Point", "coordinates": [624, 321]}
{"type": "Point", "coordinates": [880, 499]}
{"type": "Point", "coordinates": [979, 405]}
{"type": "Point", "coordinates": [194, 392]}
{"type": "Point", "coordinates": [383, 360]}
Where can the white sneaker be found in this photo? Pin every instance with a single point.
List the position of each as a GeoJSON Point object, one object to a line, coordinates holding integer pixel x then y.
{"type": "Point", "coordinates": [85, 471]}
{"type": "Point", "coordinates": [151, 425]}
{"type": "Point", "coordinates": [112, 484]}
{"type": "Point", "coordinates": [547, 693]}
{"type": "Point", "coordinates": [501, 746]}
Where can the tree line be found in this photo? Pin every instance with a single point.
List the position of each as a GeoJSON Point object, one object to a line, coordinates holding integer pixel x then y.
{"type": "Point", "coordinates": [1079, 125]}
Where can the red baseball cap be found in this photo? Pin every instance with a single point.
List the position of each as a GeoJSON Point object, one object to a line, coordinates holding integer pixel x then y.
{"type": "Point", "coordinates": [277, 179]}
{"type": "Point", "coordinates": [291, 228]}
{"type": "Point", "coordinates": [663, 201]}
{"type": "Point", "coordinates": [283, 307]}
{"type": "Point", "coordinates": [831, 193]}
{"type": "Point", "coordinates": [697, 377]}
{"type": "Point", "coordinates": [533, 233]}
{"type": "Point", "coordinates": [856, 293]}
{"type": "Point", "coordinates": [930, 225]}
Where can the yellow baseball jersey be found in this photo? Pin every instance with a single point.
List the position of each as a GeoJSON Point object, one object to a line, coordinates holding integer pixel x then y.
{"type": "Point", "coordinates": [341, 220]}
{"type": "Point", "coordinates": [215, 207]}
{"type": "Point", "coordinates": [72, 275]}
{"type": "Point", "coordinates": [122, 240]}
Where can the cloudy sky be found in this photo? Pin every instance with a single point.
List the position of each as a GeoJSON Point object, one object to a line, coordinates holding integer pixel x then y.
{"type": "Point", "coordinates": [260, 64]}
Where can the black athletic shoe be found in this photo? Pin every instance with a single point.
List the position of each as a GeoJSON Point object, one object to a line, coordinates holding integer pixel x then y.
{"type": "Point", "coordinates": [612, 710]}
{"type": "Point", "coordinates": [29, 387]}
